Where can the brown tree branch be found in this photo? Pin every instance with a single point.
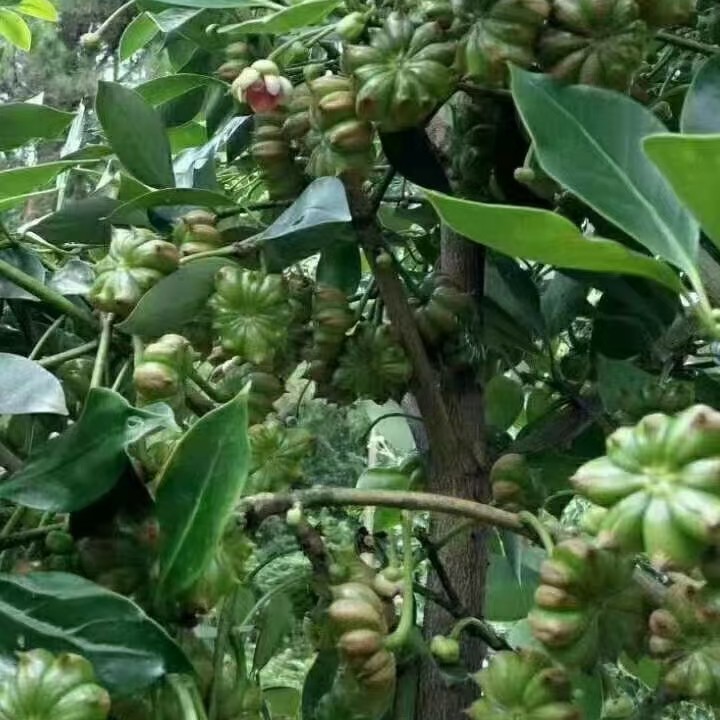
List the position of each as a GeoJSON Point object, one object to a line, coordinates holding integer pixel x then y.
{"type": "Point", "coordinates": [426, 386]}
{"type": "Point", "coordinates": [256, 508]}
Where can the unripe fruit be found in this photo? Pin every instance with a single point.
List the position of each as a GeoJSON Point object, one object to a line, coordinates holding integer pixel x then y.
{"type": "Point", "coordinates": [351, 27]}
{"type": "Point", "coordinates": [294, 516]}
{"type": "Point", "coordinates": [90, 41]}
{"type": "Point", "coordinates": [445, 650]}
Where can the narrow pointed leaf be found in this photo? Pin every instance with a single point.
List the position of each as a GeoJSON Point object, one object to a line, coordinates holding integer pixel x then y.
{"type": "Point", "coordinates": [198, 489]}
{"type": "Point", "coordinates": [14, 29]}
{"type": "Point", "coordinates": [24, 180]}
{"type": "Point", "coordinates": [543, 236]}
{"type": "Point", "coordinates": [66, 613]}
{"type": "Point", "coordinates": [175, 300]}
{"type": "Point", "coordinates": [22, 122]}
{"type": "Point", "coordinates": [137, 35]}
{"type": "Point", "coordinates": [42, 9]}
{"type": "Point", "coordinates": [590, 140]}
{"type": "Point", "coordinates": [136, 133]}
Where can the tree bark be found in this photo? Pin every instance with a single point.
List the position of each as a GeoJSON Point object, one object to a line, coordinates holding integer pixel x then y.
{"type": "Point", "coordinates": [463, 475]}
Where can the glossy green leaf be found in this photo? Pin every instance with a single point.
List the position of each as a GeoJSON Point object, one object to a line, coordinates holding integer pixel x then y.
{"type": "Point", "coordinates": [163, 89]}
{"type": "Point", "coordinates": [620, 382]}
{"type": "Point", "coordinates": [691, 163]}
{"type": "Point", "coordinates": [42, 9]}
{"type": "Point", "coordinates": [543, 236]}
{"type": "Point", "coordinates": [137, 35]}
{"type": "Point", "coordinates": [315, 221]}
{"type": "Point", "coordinates": [198, 489]}
{"type": "Point", "coordinates": [301, 14]}
{"type": "Point", "coordinates": [22, 122]}
{"type": "Point", "coordinates": [590, 140]}
{"type": "Point", "coordinates": [174, 197]}
{"type": "Point", "coordinates": [66, 613]}
{"type": "Point", "coordinates": [701, 110]}
{"type": "Point", "coordinates": [26, 387]}
{"type": "Point", "coordinates": [506, 599]}
{"type": "Point", "coordinates": [81, 465]}
{"type": "Point", "coordinates": [175, 300]}
{"type": "Point", "coordinates": [190, 135]}
{"type": "Point", "coordinates": [504, 399]}
{"type": "Point", "coordinates": [136, 134]}
{"type": "Point", "coordinates": [85, 221]}
{"type": "Point", "coordinates": [276, 620]}
{"type": "Point", "coordinates": [89, 152]}
{"type": "Point", "coordinates": [14, 29]}
{"type": "Point", "coordinates": [23, 180]}
{"type": "Point", "coordinates": [340, 267]}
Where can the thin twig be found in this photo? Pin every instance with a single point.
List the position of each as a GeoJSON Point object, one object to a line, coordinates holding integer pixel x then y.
{"type": "Point", "coordinates": [434, 558]}
{"type": "Point", "coordinates": [102, 352]}
{"type": "Point", "coordinates": [60, 358]}
{"type": "Point", "coordinates": [687, 43]}
{"type": "Point", "coordinates": [45, 336]}
{"type": "Point", "coordinates": [26, 536]}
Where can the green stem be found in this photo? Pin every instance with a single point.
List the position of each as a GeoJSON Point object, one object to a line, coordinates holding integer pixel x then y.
{"type": "Point", "coordinates": [225, 623]}
{"type": "Point", "coordinates": [687, 43]}
{"type": "Point", "coordinates": [399, 636]}
{"type": "Point", "coordinates": [113, 16]}
{"type": "Point", "coordinates": [45, 336]}
{"type": "Point", "coordinates": [378, 420]}
{"type": "Point", "coordinates": [483, 629]}
{"type": "Point", "coordinates": [308, 38]}
{"type": "Point", "coordinates": [46, 294]}
{"type": "Point", "coordinates": [121, 376]}
{"type": "Point", "coordinates": [227, 251]}
{"type": "Point", "coordinates": [27, 536]}
{"type": "Point", "coordinates": [60, 358]}
{"type": "Point", "coordinates": [102, 353]}
{"type": "Point", "coordinates": [13, 521]}
{"type": "Point", "coordinates": [207, 387]}
{"type": "Point", "coordinates": [540, 530]}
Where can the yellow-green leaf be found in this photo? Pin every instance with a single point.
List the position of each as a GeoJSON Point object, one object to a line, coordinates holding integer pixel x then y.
{"type": "Point", "coordinates": [14, 29]}
{"type": "Point", "coordinates": [42, 9]}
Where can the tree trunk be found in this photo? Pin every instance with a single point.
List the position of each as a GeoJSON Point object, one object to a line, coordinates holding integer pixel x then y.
{"type": "Point", "coordinates": [464, 475]}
